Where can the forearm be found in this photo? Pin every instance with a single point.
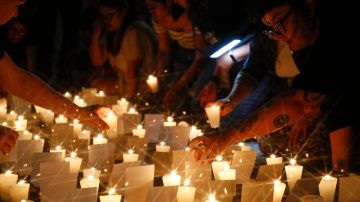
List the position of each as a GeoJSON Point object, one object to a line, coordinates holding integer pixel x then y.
{"type": "Point", "coordinates": [97, 54]}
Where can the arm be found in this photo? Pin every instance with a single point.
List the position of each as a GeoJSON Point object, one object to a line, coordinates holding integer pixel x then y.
{"type": "Point", "coordinates": [25, 85]}
{"type": "Point", "coordinates": [283, 110]}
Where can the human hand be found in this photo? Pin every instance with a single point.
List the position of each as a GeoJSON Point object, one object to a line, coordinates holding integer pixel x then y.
{"type": "Point", "coordinates": [208, 94]}
{"type": "Point", "coordinates": [93, 114]}
{"type": "Point", "coordinates": [225, 106]}
{"type": "Point", "coordinates": [207, 147]}
{"type": "Point", "coordinates": [8, 139]}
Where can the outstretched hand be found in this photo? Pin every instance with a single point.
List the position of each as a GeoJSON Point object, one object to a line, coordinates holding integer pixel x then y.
{"type": "Point", "coordinates": [207, 147]}
{"type": "Point", "coordinates": [8, 139]}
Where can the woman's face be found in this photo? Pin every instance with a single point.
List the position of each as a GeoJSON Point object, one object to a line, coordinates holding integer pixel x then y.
{"type": "Point", "coordinates": [111, 17]}
{"type": "Point", "coordinates": [16, 32]}
{"type": "Point", "coordinates": [290, 26]}
{"type": "Point", "coordinates": [9, 9]}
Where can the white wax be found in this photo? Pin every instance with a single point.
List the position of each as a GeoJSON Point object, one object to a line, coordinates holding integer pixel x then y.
{"type": "Point", "coordinates": [20, 124]}
{"type": "Point", "coordinates": [162, 148]}
{"type": "Point", "coordinates": [111, 120]}
{"type": "Point", "coordinates": [169, 122]}
{"type": "Point", "coordinates": [3, 112]}
{"type": "Point", "coordinates": [279, 189]}
{"type": "Point", "coordinates": [273, 160]}
{"type": "Point", "coordinates": [194, 132]}
{"type": "Point", "coordinates": [110, 198]}
{"type": "Point", "coordinates": [218, 166]}
{"type": "Point", "coordinates": [93, 172]}
{"type": "Point", "coordinates": [77, 129]}
{"type": "Point", "coordinates": [130, 157]}
{"type": "Point", "coordinates": [213, 114]}
{"type": "Point", "coordinates": [185, 194]}
{"type": "Point", "coordinates": [11, 117]}
{"type": "Point", "coordinates": [84, 135]}
{"type": "Point", "coordinates": [172, 179]}
{"type": "Point", "coordinates": [90, 181]}
{"type": "Point", "coordinates": [25, 135]}
{"type": "Point", "coordinates": [99, 140]}
{"type": "Point", "coordinates": [47, 116]}
{"type": "Point", "coordinates": [227, 174]}
{"type": "Point", "coordinates": [62, 151]}
{"type": "Point", "coordinates": [293, 173]}
{"type": "Point", "coordinates": [61, 119]}
{"type": "Point", "coordinates": [327, 187]}
{"type": "Point", "coordinates": [75, 163]}
{"type": "Point", "coordinates": [19, 192]}
{"type": "Point", "coordinates": [7, 179]}
{"type": "Point", "coordinates": [139, 131]}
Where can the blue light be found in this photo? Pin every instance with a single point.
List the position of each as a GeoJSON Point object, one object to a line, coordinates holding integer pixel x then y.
{"type": "Point", "coordinates": [225, 48]}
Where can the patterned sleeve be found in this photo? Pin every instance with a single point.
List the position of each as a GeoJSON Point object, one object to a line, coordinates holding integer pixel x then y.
{"type": "Point", "coordinates": [1, 53]}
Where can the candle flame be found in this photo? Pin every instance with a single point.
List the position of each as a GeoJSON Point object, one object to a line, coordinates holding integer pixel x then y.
{"type": "Point", "coordinates": [20, 118]}
{"type": "Point", "coordinates": [187, 149]}
{"type": "Point", "coordinates": [139, 127]}
{"type": "Point", "coordinates": [170, 119]}
{"type": "Point", "coordinates": [112, 191]}
{"type": "Point", "coordinates": [272, 156]}
{"type": "Point", "coordinates": [8, 172]}
{"type": "Point", "coordinates": [76, 121]}
{"type": "Point", "coordinates": [100, 136]}
{"type": "Point", "coordinates": [292, 162]}
{"type": "Point", "coordinates": [36, 137]}
{"type": "Point", "coordinates": [226, 167]}
{"type": "Point", "coordinates": [173, 173]}
{"type": "Point", "coordinates": [90, 177]}
{"type": "Point", "coordinates": [327, 177]}
{"type": "Point", "coordinates": [73, 154]}
{"type": "Point", "coordinates": [58, 148]}
{"type": "Point", "coordinates": [67, 94]}
{"type": "Point", "coordinates": [277, 183]}
{"type": "Point", "coordinates": [21, 182]}
{"type": "Point", "coordinates": [219, 158]}
{"type": "Point", "coordinates": [212, 198]}
{"type": "Point", "coordinates": [132, 110]}
{"type": "Point", "coordinates": [92, 169]}
{"type": "Point", "coordinates": [101, 93]}
{"type": "Point", "coordinates": [131, 151]}
{"type": "Point", "coordinates": [241, 144]}
{"type": "Point", "coordinates": [186, 182]}
{"type": "Point", "coordinates": [162, 143]}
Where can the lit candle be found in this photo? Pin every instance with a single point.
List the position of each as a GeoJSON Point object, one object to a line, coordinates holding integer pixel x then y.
{"type": "Point", "coordinates": [92, 172]}
{"type": "Point", "coordinates": [217, 166]}
{"type": "Point", "coordinates": [327, 188]}
{"type": "Point", "coordinates": [67, 95]}
{"type": "Point", "coordinates": [47, 116]}
{"type": "Point", "coordinates": [194, 132]}
{"type": "Point", "coordinates": [152, 82]}
{"type": "Point", "coordinates": [274, 160]}
{"type": "Point", "coordinates": [172, 179]}
{"type": "Point", "coordinates": [25, 135]}
{"type": "Point", "coordinates": [139, 131]}
{"type": "Point", "coordinates": [3, 108]}
{"type": "Point", "coordinates": [101, 94]}
{"type": "Point", "coordinates": [77, 127]}
{"type": "Point", "coordinates": [75, 162]}
{"type": "Point", "coordinates": [20, 191]}
{"type": "Point", "coordinates": [132, 111]}
{"type": "Point", "coordinates": [61, 119]}
{"type": "Point", "coordinates": [213, 114]}
{"type": "Point", "coordinates": [227, 173]}
{"type": "Point", "coordinates": [7, 179]}
{"type": "Point", "coordinates": [170, 122]}
{"type": "Point", "coordinates": [279, 189]}
{"type": "Point", "coordinates": [20, 123]}
{"type": "Point", "coordinates": [162, 147]}
{"type": "Point", "coordinates": [112, 197]}
{"type": "Point", "coordinates": [186, 193]}
{"type": "Point", "coordinates": [130, 156]}
{"type": "Point", "coordinates": [59, 149]}
{"type": "Point", "coordinates": [121, 106]}
{"type": "Point", "coordinates": [90, 181]}
{"type": "Point", "coordinates": [99, 139]}
{"type": "Point", "coordinates": [111, 120]}
{"type": "Point", "coordinates": [84, 135]}
{"type": "Point", "coordinates": [243, 147]}
{"type": "Point", "coordinates": [293, 173]}
{"type": "Point", "coordinates": [212, 198]}
{"type": "Point", "coordinates": [79, 101]}
{"type": "Point", "coordinates": [37, 137]}
{"type": "Point", "coordinates": [11, 117]}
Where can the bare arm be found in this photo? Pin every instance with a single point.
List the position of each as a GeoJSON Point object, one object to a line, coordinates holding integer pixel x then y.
{"type": "Point", "coordinates": [27, 86]}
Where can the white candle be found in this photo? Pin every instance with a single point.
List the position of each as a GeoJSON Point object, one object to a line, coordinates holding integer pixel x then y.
{"type": "Point", "coordinates": [75, 162]}
{"type": "Point", "coordinates": [92, 172]}
{"type": "Point", "coordinates": [68, 95]}
{"type": "Point", "coordinates": [139, 131]}
{"type": "Point", "coordinates": [186, 193]}
{"type": "Point", "coordinates": [130, 156]}
{"type": "Point", "coordinates": [7, 179]}
{"type": "Point", "coordinates": [227, 173]}
{"type": "Point", "coordinates": [152, 82]}
{"type": "Point", "coordinates": [61, 119]}
{"type": "Point", "coordinates": [243, 147]}
{"type": "Point", "coordinates": [47, 116]}
{"type": "Point", "coordinates": [77, 127]}
{"type": "Point", "coordinates": [25, 135]}
{"type": "Point", "coordinates": [111, 120]}
{"type": "Point", "coordinates": [3, 111]}
{"type": "Point", "coordinates": [217, 166]}
{"type": "Point", "coordinates": [194, 132]}
{"type": "Point", "coordinates": [20, 191]}
{"type": "Point", "coordinates": [59, 149]}
{"type": "Point", "coordinates": [293, 173]}
{"type": "Point", "coordinates": [327, 188]}
{"type": "Point", "coordinates": [84, 135]}
{"type": "Point", "coordinates": [213, 114]}
{"type": "Point", "coordinates": [99, 139]}
{"type": "Point", "coordinates": [162, 147]}
{"type": "Point", "coordinates": [20, 123]}
{"type": "Point", "coordinates": [274, 160]}
{"type": "Point", "coordinates": [279, 189]}
{"type": "Point", "coordinates": [37, 137]}
{"type": "Point", "coordinates": [112, 197]}
{"type": "Point", "coordinates": [170, 122]}
{"type": "Point", "coordinates": [11, 117]}
{"type": "Point", "coordinates": [101, 94]}
{"type": "Point", "coordinates": [79, 102]}
{"type": "Point", "coordinates": [121, 106]}
{"type": "Point", "coordinates": [212, 198]}
{"type": "Point", "coordinates": [172, 179]}
{"type": "Point", "coordinates": [90, 181]}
